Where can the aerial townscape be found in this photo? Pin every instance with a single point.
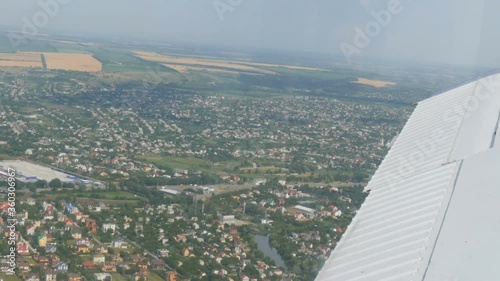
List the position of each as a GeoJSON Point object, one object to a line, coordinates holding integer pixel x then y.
{"type": "Point", "coordinates": [135, 160]}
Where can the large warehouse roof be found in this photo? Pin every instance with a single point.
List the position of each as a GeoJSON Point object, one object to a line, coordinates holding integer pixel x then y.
{"type": "Point", "coordinates": [432, 209]}
{"type": "Point", "coordinates": [29, 172]}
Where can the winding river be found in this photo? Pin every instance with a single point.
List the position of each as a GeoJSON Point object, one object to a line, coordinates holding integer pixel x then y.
{"type": "Point", "coordinates": [270, 252]}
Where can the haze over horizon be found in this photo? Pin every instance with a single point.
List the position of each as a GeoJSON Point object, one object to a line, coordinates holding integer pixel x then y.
{"type": "Point", "coordinates": [450, 32]}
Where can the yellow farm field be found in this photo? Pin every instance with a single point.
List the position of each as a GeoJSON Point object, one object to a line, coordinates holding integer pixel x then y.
{"type": "Point", "coordinates": [201, 63]}
{"type": "Point", "coordinates": [60, 61]}
{"type": "Point", "coordinates": [72, 61]}
{"type": "Point", "coordinates": [21, 60]}
{"type": "Point", "coordinates": [238, 66]}
{"type": "Point", "coordinates": [374, 83]}
{"type": "Point", "coordinates": [178, 68]}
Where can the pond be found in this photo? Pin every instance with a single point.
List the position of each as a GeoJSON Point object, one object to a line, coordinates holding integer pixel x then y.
{"type": "Point", "coordinates": [270, 252]}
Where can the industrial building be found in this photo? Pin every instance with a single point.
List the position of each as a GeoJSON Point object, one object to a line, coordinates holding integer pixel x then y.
{"type": "Point", "coordinates": [30, 172]}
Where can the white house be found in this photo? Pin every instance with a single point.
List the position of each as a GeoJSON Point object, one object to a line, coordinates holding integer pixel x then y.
{"type": "Point", "coordinates": [103, 277]}
{"type": "Point", "coordinates": [119, 243]}
{"type": "Point", "coordinates": [99, 258]}
{"type": "Point", "coordinates": [230, 219]}
{"type": "Point", "coordinates": [108, 226]}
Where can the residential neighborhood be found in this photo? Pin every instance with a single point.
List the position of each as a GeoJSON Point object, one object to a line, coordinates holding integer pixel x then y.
{"type": "Point", "coordinates": [184, 138]}
{"type": "Point", "coordinates": [74, 240]}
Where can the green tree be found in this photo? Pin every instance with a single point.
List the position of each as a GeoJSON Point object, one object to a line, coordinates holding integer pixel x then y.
{"type": "Point", "coordinates": [55, 183]}
{"type": "Point", "coordinates": [41, 183]}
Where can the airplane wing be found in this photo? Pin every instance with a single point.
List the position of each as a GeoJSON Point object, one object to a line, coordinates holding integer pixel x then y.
{"type": "Point", "coordinates": [433, 212]}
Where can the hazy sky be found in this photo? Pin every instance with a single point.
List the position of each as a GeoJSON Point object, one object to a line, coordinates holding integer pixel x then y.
{"type": "Point", "coordinates": [447, 31]}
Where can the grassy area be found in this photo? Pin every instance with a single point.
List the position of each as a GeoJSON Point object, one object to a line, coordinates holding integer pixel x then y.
{"type": "Point", "coordinates": [29, 260]}
{"type": "Point", "coordinates": [130, 250]}
{"type": "Point", "coordinates": [196, 164]}
{"type": "Point", "coordinates": [6, 277]}
{"type": "Point", "coordinates": [118, 277]}
{"type": "Point", "coordinates": [66, 109]}
{"type": "Point", "coordinates": [5, 157]}
{"type": "Point", "coordinates": [248, 94]}
{"type": "Point", "coordinates": [86, 257]}
{"type": "Point", "coordinates": [110, 202]}
{"type": "Point", "coordinates": [188, 163]}
{"type": "Point", "coordinates": [70, 48]}
{"type": "Point", "coordinates": [102, 194]}
{"type": "Point", "coordinates": [118, 60]}
{"type": "Point", "coordinates": [263, 169]}
{"type": "Point", "coordinates": [44, 62]}
{"type": "Point", "coordinates": [36, 46]}
{"type": "Point", "coordinates": [154, 277]}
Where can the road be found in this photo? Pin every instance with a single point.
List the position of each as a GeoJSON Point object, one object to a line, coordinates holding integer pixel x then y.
{"type": "Point", "coordinates": [27, 243]}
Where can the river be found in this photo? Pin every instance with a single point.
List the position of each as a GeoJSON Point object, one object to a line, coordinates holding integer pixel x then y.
{"type": "Point", "coordinates": [270, 252]}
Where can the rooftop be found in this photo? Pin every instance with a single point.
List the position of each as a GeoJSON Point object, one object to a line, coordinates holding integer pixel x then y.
{"type": "Point", "coordinates": [27, 171]}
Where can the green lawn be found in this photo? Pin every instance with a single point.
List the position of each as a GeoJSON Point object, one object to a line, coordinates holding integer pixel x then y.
{"type": "Point", "coordinates": [155, 277]}
{"type": "Point", "coordinates": [86, 257]}
{"type": "Point", "coordinates": [129, 250]}
{"type": "Point", "coordinates": [29, 260]}
{"type": "Point", "coordinates": [118, 277]}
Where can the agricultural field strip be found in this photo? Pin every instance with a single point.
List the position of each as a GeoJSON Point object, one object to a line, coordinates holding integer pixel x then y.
{"type": "Point", "coordinates": [200, 62]}
{"type": "Point", "coordinates": [374, 83]}
{"type": "Point", "coordinates": [61, 61]}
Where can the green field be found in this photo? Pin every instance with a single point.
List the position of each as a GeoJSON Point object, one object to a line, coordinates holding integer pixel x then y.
{"type": "Point", "coordinates": [322, 75]}
{"type": "Point", "coordinates": [103, 195]}
{"type": "Point", "coordinates": [195, 164]}
{"type": "Point", "coordinates": [5, 45]}
{"type": "Point", "coordinates": [44, 62]}
{"type": "Point", "coordinates": [170, 162]}
{"type": "Point", "coordinates": [249, 94]}
{"type": "Point", "coordinates": [119, 60]}
{"type": "Point", "coordinates": [70, 48]}
{"type": "Point", "coordinates": [36, 46]}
